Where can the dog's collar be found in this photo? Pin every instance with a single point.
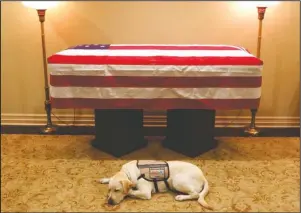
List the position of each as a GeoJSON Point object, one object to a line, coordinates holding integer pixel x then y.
{"type": "Point", "coordinates": [129, 177]}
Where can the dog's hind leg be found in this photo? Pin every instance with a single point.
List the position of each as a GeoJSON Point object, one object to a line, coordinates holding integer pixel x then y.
{"type": "Point", "coordinates": [181, 184]}
{"type": "Point", "coordinates": [191, 189]}
{"type": "Point", "coordinates": [191, 196]}
{"type": "Point", "coordinates": [104, 180]}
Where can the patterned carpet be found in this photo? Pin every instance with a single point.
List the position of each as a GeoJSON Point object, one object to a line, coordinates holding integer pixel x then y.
{"type": "Point", "coordinates": [59, 173]}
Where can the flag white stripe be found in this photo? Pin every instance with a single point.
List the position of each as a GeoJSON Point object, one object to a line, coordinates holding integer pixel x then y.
{"type": "Point", "coordinates": [153, 70]}
{"type": "Point", "coordinates": [151, 93]}
{"type": "Point", "coordinates": [176, 45]}
{"type": "Point", "coordinates": [137, 53]}
{"type": "Point", "coordinates": [153, 73]}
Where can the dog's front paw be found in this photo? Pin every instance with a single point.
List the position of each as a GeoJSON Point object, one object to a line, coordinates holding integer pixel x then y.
{"type": "Point", "coordinates": [104, 180]}
{"type": "Point", "coordinates": [131, 193]}
{"type": "Point", "coordinates": [180, 197]}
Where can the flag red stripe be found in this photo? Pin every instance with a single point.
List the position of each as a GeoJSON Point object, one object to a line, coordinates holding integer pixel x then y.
{"type": "Point", "coordinates": [153, 60]}
{"type": "Point", "coordinates": [166, 82]}
{"type": "Point", "coordinates": [155, 104]}
{"type": "Point", "coordinates": [158, 47]}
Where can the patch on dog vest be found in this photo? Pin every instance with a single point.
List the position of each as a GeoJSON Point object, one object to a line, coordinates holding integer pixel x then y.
{"type": "Point", "coordinates": [152, 170]}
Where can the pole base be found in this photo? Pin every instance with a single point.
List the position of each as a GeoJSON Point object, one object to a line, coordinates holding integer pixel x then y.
{"type": "Point", "coordinates": [49, 129]}
{"type": "Point", "coordinates": [252, 131]}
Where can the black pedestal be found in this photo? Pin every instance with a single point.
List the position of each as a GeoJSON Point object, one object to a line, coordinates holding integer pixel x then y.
{"type": "Point", "coordinates": [119, 132]}
{"type": "Point", "coordinates": [190, 132]}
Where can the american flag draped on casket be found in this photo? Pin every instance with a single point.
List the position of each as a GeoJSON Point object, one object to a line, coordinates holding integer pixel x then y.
{"type": "Point", "coordinates": [155, 77]}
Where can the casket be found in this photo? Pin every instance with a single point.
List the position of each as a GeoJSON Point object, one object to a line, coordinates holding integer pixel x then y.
{"type": "Point", "coordinates": [155, 77]}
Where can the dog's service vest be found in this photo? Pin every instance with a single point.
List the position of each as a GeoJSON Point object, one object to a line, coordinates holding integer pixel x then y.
{"type": "Point", "coordinates": [154, 171]}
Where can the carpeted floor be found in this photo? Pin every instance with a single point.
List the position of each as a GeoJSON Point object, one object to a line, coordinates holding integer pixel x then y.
{"type": "Point", "coordinates": [59, 173]}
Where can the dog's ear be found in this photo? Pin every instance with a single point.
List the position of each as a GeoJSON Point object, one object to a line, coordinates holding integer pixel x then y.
{"type": "Point", "coordinates": [127, 185]}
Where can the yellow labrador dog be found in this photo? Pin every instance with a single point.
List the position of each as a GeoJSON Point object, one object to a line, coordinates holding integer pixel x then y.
{"type": "Point", "coordinates": [133, 181]}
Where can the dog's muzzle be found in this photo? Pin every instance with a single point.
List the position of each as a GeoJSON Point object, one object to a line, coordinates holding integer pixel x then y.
{"type": "Point", "coordinates": [110, 201]}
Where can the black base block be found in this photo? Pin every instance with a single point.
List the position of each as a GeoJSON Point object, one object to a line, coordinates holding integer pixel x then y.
{"type": "Point", "coordinates": [190, 132]}
{"type": "Point", "coordinates": [119, 132]}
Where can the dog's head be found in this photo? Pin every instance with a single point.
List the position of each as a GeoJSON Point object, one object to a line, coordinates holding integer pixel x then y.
{"type": "Point", "coordinates": [119, 187]}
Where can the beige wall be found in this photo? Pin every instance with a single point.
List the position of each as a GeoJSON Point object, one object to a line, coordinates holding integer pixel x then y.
{"type": "Point", "coordinates": [73, 23]}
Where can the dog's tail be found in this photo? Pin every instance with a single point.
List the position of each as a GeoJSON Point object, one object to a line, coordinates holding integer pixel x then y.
{"type": "Point", "coordinates": [202, 195]}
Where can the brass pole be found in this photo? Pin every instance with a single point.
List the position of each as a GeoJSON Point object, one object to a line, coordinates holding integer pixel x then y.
{"type": "Point", "coordinates": [259, 39]}
{"type": "Point", "coordinates": [49, 128]}
{"type": "Point", "coordinates": [252, 130]}
{"type": "Point", "coordinates": [261, 12]}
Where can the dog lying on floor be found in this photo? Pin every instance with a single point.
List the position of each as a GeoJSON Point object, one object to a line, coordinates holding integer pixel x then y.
{"type": "Point", "coordinates": [139, 179]}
